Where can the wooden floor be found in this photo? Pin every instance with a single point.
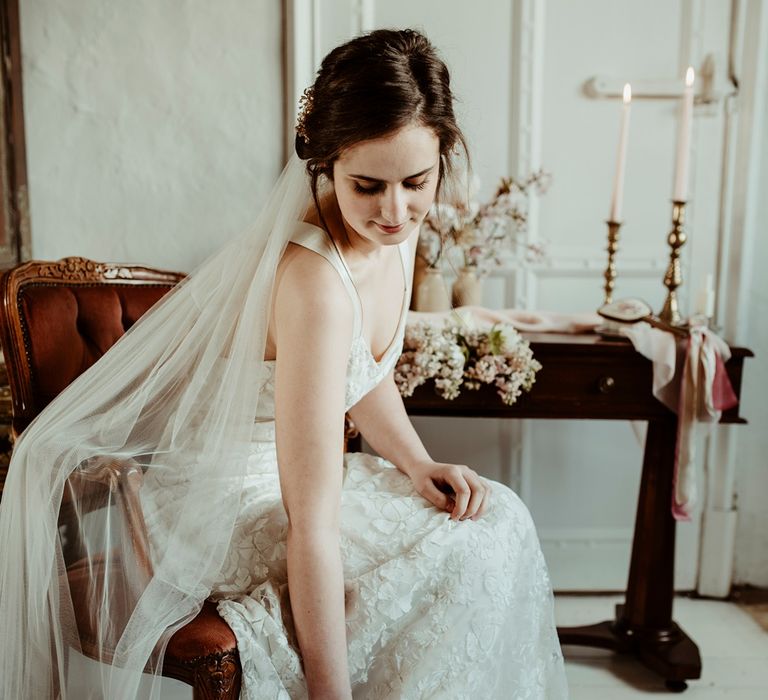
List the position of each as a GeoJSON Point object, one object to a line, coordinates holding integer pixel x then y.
{"type": "Point", "coordinates": [733, 646]}
{"type": "Point", "coordinates": [732, 643]}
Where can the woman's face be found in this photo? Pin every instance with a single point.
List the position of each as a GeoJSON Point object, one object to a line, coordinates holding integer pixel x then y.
{"type": "Point", "coordinates": [386, 186]}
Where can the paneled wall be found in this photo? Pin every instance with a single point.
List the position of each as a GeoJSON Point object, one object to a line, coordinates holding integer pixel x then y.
{"type": "Point", "coordinates": [751, 460]}
{"type": "Point", "coordinates": [520, 70]}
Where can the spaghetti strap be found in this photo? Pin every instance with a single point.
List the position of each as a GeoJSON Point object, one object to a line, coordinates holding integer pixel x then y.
{"type": "Point", "coordinates": [316, 239]}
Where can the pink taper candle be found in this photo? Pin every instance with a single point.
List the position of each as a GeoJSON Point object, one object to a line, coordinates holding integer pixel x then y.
{"type": "Point", "coordinates": [680, 192]}
{"type": "Point", "coordinates": [618, 181]}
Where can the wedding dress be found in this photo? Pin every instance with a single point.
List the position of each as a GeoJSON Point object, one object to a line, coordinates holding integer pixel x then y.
{"type": "Point", "coordinates": [434, 608]}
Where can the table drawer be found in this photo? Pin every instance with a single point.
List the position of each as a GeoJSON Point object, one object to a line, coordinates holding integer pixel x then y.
{"type": "Point", "coordinates": [596, 387]}
{"type": "Point", "coordinates": [591, 385]}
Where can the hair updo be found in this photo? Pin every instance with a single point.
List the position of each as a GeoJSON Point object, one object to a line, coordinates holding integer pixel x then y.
{"type": "Point", "coordinates": [370, 87]}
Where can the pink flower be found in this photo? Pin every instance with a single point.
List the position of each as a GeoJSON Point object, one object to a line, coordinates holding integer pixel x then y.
{"type": "Point", "coordinates": [467, 357]}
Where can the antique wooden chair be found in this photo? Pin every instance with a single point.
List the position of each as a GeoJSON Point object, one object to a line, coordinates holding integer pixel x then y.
{"type": "Point", "coordinates": [56, 320]}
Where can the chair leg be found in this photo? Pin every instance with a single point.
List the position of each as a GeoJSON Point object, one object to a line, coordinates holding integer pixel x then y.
{"type": "Point", "coordinates": [217, 677]}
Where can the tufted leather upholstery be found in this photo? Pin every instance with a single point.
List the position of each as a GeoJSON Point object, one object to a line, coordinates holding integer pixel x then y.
{"type": "Point", "coordinates": [68, 328]}
{"type": "Point", "coordinates": [58, 318]}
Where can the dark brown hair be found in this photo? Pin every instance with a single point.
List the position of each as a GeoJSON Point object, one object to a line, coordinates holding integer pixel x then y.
{"type": "Point", "coordinates": [370, 87]}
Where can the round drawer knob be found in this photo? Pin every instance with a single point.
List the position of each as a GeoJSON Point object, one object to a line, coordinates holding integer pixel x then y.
{"type": "Point", "coordinates": [606, 384]}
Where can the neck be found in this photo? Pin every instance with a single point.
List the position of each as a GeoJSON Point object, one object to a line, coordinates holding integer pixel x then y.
{"type": "Point", "coordinates": [352, 245]}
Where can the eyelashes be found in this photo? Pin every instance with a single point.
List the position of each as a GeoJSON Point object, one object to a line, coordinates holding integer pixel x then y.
{"type": "Point", "coordinates": [379, 188]}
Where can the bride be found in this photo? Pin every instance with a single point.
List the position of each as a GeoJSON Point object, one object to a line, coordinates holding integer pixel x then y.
{"type": "Point", "coordinates": [341, 575]}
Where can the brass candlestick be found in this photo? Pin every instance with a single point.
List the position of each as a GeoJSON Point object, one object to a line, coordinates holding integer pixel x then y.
{"type": "Point", "coordinates": [673, 278]}
{"type": "Point", "coordinates": [610, 270]}
{"type": "Point", "coordinates": [610, 328]}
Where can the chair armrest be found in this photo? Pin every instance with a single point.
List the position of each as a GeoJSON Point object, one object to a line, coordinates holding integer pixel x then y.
{"type": "Point", "coordinates": [123, 478]}
{"type": "Point", "coordinates": [110, 472]}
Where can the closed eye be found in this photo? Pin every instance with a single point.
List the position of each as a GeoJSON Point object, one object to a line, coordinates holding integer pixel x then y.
{"type": "Point", "coordinates": [379, 188]}
{"type": "Point", "coordinates": [368, 190]}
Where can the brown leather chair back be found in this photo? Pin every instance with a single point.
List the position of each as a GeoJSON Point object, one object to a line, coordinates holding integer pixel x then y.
{"type": "Point", "coordinates": [58, 318]}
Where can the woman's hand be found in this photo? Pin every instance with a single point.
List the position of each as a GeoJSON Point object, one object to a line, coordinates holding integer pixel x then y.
{"type": "Point", "coordinates": [452, 487]}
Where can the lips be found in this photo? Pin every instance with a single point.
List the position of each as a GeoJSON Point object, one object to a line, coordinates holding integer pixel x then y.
{"type": "Point", "coordinates": [390, 229]}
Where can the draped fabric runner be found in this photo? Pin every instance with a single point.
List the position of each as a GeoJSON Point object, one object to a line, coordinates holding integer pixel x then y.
{"type": "Point", "coordinates": [689, 375]}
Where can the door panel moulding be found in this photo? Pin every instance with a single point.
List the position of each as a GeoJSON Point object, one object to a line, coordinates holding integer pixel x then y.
{"type": "Point", "coordinates": [301, 22]}
{"type": "Point", "coordinates": [738, 225]}
{"type": "Point", "coordinates": [527, 43]}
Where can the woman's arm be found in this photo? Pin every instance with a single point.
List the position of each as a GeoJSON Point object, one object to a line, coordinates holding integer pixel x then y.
{"type": "Point", "coordinates": [381, 418]}
{"type": "Point", "coordinates": [313, 331]}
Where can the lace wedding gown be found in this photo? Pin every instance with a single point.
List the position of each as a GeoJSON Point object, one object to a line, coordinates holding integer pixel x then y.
{"type": "Point", "coordinates": [434, 608]}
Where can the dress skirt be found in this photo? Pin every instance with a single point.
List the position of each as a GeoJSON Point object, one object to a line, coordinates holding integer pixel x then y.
{"type": "Point", "coordinates": [435, 608]}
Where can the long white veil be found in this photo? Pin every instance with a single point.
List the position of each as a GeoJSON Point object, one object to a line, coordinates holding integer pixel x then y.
{"type": "Point", "coordinates": [174, 400]}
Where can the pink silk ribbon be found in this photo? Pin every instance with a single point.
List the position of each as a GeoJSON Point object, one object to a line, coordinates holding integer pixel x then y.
{"type": "Point", "coordinates": [703, 368]}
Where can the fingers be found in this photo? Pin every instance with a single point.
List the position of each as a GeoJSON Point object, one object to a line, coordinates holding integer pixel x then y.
{"type": "Point", "coordinates": [436, 496]}
{"type": "Point", "coordinates": [484, 505]}
{"type": "Point", "coordinates": [458, 490]}
{"type": "Point", "coordinates": [472, 493]}
{"type": "Point", "coordinates": [462, 492]}
{"type": "Point", "coordinates": [476, 499]}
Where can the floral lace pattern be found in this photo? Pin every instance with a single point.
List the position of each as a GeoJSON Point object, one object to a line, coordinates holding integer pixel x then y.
{"type": "Point", "coordinates": [363, 373]}
{"type": "Point", "coordinates": [434, 608]}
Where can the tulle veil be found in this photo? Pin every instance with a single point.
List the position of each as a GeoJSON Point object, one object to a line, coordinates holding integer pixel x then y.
{"type": "Point", "coordinates": [176, 397]}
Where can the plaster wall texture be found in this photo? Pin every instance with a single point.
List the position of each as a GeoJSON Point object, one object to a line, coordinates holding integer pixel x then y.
{"type": "Point", "coordinates": [154, 130]}
{"type": "Point", "coordinates": [751, 564]}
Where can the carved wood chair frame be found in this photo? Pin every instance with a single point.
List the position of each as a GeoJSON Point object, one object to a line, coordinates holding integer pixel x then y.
{"type": "Point", "coordinates": [14, 335]}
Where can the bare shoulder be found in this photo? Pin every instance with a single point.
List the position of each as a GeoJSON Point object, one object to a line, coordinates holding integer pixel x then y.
{"type": "Point", "coordinates": [309, 293]}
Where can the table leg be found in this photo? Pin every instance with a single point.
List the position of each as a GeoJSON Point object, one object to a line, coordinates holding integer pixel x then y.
{"type": "Point", "coordinates": [643, 625]}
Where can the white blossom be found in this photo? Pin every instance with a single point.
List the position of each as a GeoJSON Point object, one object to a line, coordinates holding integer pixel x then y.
{"type": "Point", "coordinates": [467, 357]}
{"type": "Point", "coordinates": [482, 233]}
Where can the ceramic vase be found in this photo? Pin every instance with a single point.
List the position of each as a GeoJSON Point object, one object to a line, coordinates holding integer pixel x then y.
{"type": "Point", "coordinates": [467, 290]}
{"type": "Point", "coordinates": [432, 292]}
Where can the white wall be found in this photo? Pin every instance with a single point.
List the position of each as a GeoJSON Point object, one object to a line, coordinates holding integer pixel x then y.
{"type": "Point", "coordinates": [751, 565]}
{"type": "Point", "coordinates": [154, 129]}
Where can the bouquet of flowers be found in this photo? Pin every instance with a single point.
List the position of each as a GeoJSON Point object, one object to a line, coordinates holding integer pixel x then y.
{"type": "Point", "coordinates": [454, 357]}
{"type": "Point", "coordinates": [482, 231]}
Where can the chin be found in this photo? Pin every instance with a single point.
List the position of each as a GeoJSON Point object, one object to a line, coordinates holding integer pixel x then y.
{"type": "Point", "coordinates": [400, 235]}
{"type": "Point", "coordinates": [395, 238]}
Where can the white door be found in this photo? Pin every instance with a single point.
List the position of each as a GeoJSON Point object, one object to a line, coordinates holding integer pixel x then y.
{"type": "Point", "coordinates": [521, 69]}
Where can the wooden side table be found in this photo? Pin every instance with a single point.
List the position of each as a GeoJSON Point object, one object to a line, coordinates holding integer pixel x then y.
{"type": "Point", "coordinates": [586, 377]}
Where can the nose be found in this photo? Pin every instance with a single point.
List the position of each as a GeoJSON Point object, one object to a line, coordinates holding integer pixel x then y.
{"type": "Point", "coordinates": [394, 206]}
